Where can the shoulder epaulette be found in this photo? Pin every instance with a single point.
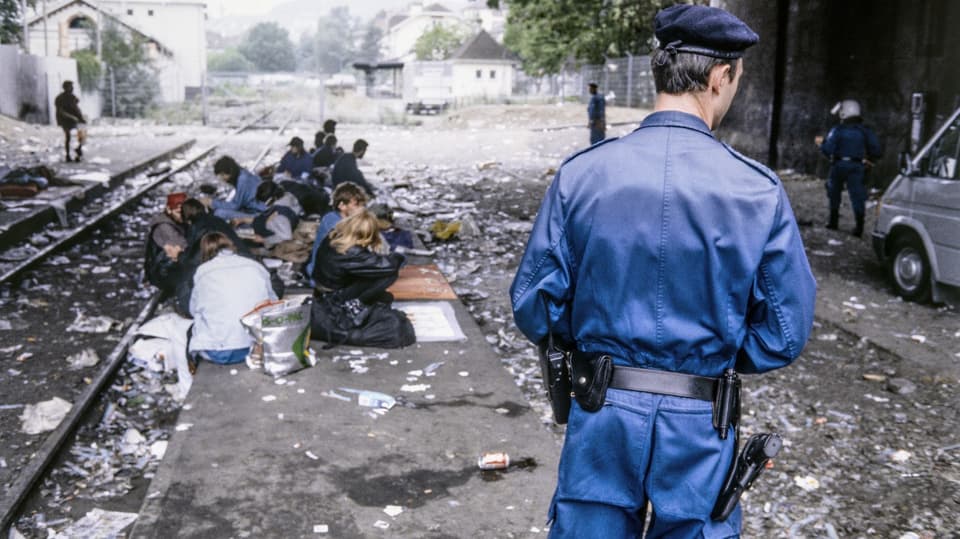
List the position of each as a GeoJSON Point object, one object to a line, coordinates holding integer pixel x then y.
{"type": "Point", "coordinates": [756, 165]}
{"type": "Point", "coordinates": [587, 149]}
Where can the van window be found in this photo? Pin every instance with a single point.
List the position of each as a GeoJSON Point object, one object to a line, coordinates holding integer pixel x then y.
{"type": "Point", "coordinates": [941, 161]}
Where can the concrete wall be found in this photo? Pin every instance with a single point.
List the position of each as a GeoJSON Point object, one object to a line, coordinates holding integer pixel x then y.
{"type": "Point", "coordinates": [466, 83]}
{"type": "Point", "coordinates": [876, 52]}
{"type": "Point", "coordinates": [29, 84]}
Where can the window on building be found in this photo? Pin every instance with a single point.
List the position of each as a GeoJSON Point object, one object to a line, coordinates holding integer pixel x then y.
{"type": "Point", "coordinates": [129, 12]}
{"type": "Point", "coordinates": [479, 74]}
{"type": "Point", "coordinates": [150, 12]}
{"type": "Point", "coordinates": [493, 73]}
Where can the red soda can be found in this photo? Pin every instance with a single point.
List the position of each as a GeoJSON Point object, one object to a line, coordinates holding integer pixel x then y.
{"type": "Point", "coordinates": [494, 461]}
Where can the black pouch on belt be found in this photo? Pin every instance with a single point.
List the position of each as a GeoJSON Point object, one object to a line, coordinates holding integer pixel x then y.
{"type": "Point", "coordinates": [591, 373]}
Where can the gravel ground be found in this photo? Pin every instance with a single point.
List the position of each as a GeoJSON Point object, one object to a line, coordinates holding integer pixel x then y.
{"type": "Point", "coordinates": [868, 412]}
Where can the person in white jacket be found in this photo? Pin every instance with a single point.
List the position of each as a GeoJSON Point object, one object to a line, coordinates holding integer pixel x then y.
{"type": "Point", "coordinates": [225, 287]}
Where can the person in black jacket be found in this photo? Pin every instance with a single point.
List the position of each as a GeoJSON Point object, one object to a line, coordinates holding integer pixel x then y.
{"type": "Point", "coordinates": [69, 117]}
{"type": "Point", "coordinates": [327, 153]}
{"type": "Point", "coordinates": [345, 168]}
{"type": "Point", "coordinates": [355, 263]}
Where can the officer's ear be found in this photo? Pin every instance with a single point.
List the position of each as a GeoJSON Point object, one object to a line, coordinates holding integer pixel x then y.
{"type": "Point", "coordinates": [720, 75]}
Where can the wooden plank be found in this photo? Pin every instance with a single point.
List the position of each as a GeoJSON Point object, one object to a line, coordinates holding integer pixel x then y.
{"type": "Point", "coordinates": [421, 282]}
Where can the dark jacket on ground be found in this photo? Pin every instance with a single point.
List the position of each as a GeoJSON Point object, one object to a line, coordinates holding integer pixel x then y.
{"type": "Point", "coordinates": [312, 199]}
{"type": "Point", "coordinates": [346, 170]}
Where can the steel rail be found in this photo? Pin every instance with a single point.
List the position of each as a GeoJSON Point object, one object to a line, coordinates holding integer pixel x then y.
{"type": "Point", "coordinates": [266, 149]}
{"type": "Point", "coordinates": [95, 221]}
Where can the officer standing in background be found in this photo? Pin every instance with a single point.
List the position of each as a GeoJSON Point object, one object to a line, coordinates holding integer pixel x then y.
{"type": "Point", "coordinates": [596, 114]}
{"type": "Point", "coordinates": [850, 145]}
{"type": "Point", "coordinates": [677, 260]}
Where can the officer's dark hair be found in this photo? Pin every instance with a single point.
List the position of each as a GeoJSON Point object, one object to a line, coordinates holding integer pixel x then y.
{"type": "Point", "coordinates": [331, 141]}
{"type": "Point", "coordinates": [359, 145]}
{"type": "Point", "coordinates": [268, 191]}
{"type": "Point", "coordinates": [190, 209]}
{"type": "Point", "coordinates": [329, 126]}
{"type": "Point", "coordinates": [226, 165]}
{"type": "Point", "coordinates": [318, 139]}
{"type": "Point", "coordinates": [683, 72]}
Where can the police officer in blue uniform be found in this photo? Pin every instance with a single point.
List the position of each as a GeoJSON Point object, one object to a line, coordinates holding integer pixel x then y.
{"type": "Point", "coordinates": [677, 258]}
{"type": "Point", "coordinates": [851, 146]}
{"type": "Point", "coordinates": [596, 114]}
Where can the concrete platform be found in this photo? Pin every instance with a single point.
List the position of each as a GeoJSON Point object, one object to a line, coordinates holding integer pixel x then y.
{"type": "Point", "coordinates": [266, 460]}
{"type": "Point", "coordinates": [117, 158]}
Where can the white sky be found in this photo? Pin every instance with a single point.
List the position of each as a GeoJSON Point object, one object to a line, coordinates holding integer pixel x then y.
{"type": "Point", "coordinates": [241, 7]}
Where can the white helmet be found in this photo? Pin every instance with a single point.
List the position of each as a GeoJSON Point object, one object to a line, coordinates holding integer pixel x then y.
{"type": "Point", "coordinates": [848, 108]}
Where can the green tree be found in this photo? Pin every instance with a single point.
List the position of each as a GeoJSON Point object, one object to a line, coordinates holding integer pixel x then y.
{"type": "Point", "coordinates": [132, 85]}
{"type": "Point", "coordinates": [11, 21]}
{"type": "Point", "coordinates": [437, 43]}
{"type": "Point", "coordinates": [88, 68]}
{"type": "Point", "coordinates": [370, 46]}
{"type": "Point", "coordinates": [547, 33]}
{"type": "Point", "coordinates": [268, 46]}
{"type": "Point", "coordinates": [229, 60]}
{"type": "Point", "coordinates": [334, 42]}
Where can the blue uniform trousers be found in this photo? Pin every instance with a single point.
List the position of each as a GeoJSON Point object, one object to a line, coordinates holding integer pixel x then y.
{"type": "Point", "coordinates": [849, 173]}
{"type": "Point", "coordinates": [596, 135]}
{"type": "Point", "coordinates": [642, 447]}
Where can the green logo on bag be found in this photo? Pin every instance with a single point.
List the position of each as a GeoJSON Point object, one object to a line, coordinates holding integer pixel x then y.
{"type": "Point", "coordinates": [274, 321]}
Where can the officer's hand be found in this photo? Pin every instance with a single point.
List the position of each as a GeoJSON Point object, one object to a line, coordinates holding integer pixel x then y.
{"type": "Point", "coordinates": [818, 140]}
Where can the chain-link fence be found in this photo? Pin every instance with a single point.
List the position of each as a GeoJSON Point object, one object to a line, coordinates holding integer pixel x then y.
{"type": "Point", "coordinates": [626, 82]}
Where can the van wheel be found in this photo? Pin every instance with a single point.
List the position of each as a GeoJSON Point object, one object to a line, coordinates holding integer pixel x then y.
{"type": "Point", "coordinates": [910, 270]}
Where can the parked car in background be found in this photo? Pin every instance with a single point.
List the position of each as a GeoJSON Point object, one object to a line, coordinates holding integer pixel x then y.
{"type": "Point", "coordinates": [917, 230]}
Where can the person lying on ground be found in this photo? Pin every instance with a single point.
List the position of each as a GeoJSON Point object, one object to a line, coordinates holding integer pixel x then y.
{"type": "Point", "coordinates": [296, 163]}
{"type": "Point", "coordinates": [348, 199]}
{"type": "Point", "coordinates": [395, 237]}
{"type": "Point", "coordinates": [313, 200]}
{"type": "Point", "coordinates": [225, 287]}
{"type": "Point", "coordinates": [277, 223]}
{"type": "Point", "coordinates": [166, 239]}
{"type": "Point", "coordinates": [327, 153]}
{"type": "Point", "coordinates": [244, 202]}
{"type": "Point", "coordinates": [345, 168]}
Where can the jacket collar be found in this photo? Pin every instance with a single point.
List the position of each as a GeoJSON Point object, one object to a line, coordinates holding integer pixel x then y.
{"type": "Point", "coordinates": [675, 118]}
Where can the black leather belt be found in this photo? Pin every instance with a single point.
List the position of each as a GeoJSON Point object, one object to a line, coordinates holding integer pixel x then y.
{"type": "Point", "coordinates": [665, 383]}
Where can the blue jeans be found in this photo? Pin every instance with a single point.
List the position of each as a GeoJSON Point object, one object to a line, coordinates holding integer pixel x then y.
{"type": "Point", "coordinates": [642, 447]}
{"type": "Point", "coordinates": [224, 357]}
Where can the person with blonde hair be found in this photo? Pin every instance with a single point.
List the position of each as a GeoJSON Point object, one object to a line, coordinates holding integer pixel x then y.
{"type": "Point", "coordinates": [225, 287]}
{"type": "Point", "coordinates": [354, 261]}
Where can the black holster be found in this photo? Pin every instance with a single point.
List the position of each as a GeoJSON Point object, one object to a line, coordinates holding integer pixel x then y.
{"type": "Point", "coordinates": [555, 369]}
{"type": "Point", "coordinates": [726, 403]}
{"type": "Point", "coordinates": [591, 373]}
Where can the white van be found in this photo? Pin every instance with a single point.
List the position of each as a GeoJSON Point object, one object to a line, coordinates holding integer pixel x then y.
{"type": "Point", "coordinates": [917, 230]}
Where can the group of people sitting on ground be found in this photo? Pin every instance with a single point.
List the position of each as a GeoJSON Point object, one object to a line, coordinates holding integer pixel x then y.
{"type": "Point", "coordinates": [195, 255]}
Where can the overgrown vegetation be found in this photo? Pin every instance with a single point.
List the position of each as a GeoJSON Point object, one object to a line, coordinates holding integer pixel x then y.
{"type": "Point", "coordinates": [230, 60]}
{"type": "Point", "coordinates": [88, 69]}
{"type": "Point", "coordinates": [132, 85]}
{"type": "Point", "coordinates": [549, 33]}
{"type": "Point", "coordinates": [438, 43]}
{"type": "Point", "coordinates": [268, 47]}
{"type": "Point", "coordinates": [11, 26]}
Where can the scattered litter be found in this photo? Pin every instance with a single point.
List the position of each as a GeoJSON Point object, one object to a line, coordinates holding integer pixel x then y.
{"type": "Point", "coordinates": [93, 324]}
{"type": "Point", "coordinates": [233, 372]}
{"type": "Point", "coordinates": [98, 270]}
{"type": "Point", "coordinates": [269, 398]}
{"type": "Point", "coordinates": [901, 386]}
{"type": "Point", "coordinates": [876, 398]}
{"type": "Point", "coordinates": [874, 377]}
{"type": "Point", "coordinates": [807, 483]}
{"type": "Point", "coordinates": [834, 242]}
{"type": "Point", "coordinates": [81, 360]}
{"type": "Point", "coordinates": [158, 449]}
{"type": "Point", "coordinates": [372, 399]}
{"type": "Point", "coordinates": [311, 455]}
{"type": "Point", "coordinates": [919, 338]}
{"type": "Point", "coordinates": [23, 357]}
{"type": "Point", "coordinates": [44, 416]}
{"type": "Point", "coordinates": [381, 524]}
{"type": "Point", "coordinates": [183, 427]}
{"type": "Point", "coordinates": [132, 442]}
{"type": "Point", "coordinates": [827, 337]}
{"type": "Point", "coordinates": [414, 388]}
{"type": "Point", "coordinates": [463, 373]}
{"type": "Point", "coordinates": [321, 528]}
{"type": "Point", "coordinates": [98, 524]}
{"type": "Point", "coordinates": [393, 510]}
{"type": "Point", "coordinates": [900, 456]}
{"type": "Point", "coordinates": [852, 305]}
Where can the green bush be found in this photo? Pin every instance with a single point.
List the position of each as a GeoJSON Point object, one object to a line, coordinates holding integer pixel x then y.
{"type": "Point", "coordinates": [88, 69]}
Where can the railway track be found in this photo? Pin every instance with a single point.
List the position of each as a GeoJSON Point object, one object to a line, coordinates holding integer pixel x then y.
{"type": "Point", "coordinates": [38, 289]}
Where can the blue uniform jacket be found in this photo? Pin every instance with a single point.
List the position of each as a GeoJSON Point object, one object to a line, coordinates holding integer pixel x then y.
{"type": "Point", "coordinates": [245, 197]}
{"type": "Point", "coordinates": [668, 250]}
{"type": "Point", "coordinates": [296, 166]}
{"type": "Point", "coordinates": [345, 169]}
{"type": "Point", "coordinates": [596, 108]}
{"type": "Point", "coordinates": [853, 140]}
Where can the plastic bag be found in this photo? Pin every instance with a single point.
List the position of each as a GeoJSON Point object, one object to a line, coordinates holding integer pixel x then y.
{"type": "Point", "coordinates": [281, 330]}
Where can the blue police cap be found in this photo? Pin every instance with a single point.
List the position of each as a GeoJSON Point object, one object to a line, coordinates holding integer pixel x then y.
{"type": "Point", "coordinates": [702, 30]}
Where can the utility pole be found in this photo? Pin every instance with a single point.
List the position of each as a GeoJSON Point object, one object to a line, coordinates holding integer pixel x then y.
{"type": "Point", "coordinates": [26, 32]}
{"type": "Point", "coordinates": [46, 37]}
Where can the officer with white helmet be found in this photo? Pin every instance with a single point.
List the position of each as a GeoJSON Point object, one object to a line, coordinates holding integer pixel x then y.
{"type": "Point", "coordinates": [850, 145]}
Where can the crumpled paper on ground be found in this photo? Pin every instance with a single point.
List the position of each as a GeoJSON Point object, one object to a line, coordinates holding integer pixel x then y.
{"type": "Point", "coordinates": [44, 416]}
{"type": "Point", "coordinates": [165, 349]}
{"type": "Point", "coordinates": [98, 524]}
